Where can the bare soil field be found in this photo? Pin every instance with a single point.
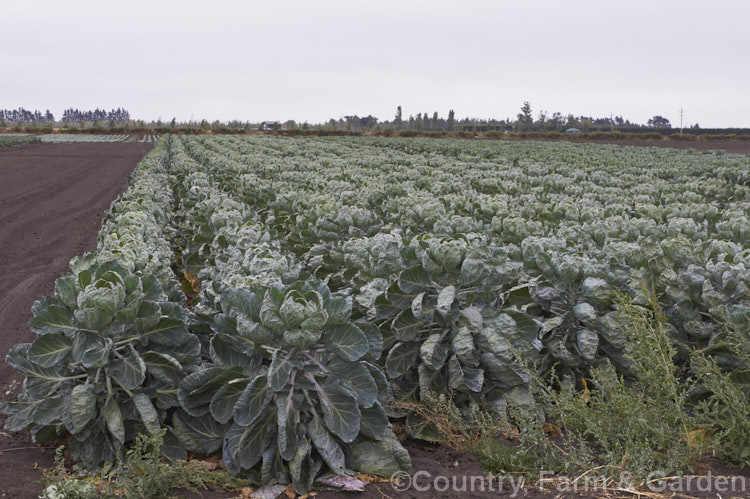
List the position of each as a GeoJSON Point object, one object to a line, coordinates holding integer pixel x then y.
{"type": "Point", "coordinates": [52, 201]}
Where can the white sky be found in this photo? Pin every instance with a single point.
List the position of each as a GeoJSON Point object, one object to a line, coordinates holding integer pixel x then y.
{"type": "Point", "coordinates": [313, 60]}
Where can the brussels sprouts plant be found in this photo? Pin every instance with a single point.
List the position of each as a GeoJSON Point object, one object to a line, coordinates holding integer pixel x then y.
{"type": "Point", "coordinates": [294, 391]}
{"type": "Point", "coordinates": [105, 365]}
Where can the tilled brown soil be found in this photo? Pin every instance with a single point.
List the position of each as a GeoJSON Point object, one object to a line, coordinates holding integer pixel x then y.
{"type": "Point", "coordinates": [52, 201]}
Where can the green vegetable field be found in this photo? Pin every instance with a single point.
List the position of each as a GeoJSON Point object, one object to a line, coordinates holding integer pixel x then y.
{"type": "Point", "coordinates": [267, 298]}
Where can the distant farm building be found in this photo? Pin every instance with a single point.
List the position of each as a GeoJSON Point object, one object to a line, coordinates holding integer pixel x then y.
{"type": "Point", "coordinates": [572, 130]}
{"type": "Point", "coordinates": [270, 125]}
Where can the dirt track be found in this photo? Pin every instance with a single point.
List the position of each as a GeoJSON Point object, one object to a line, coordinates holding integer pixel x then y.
{"type": "Point", "coordinates": [52, 201]}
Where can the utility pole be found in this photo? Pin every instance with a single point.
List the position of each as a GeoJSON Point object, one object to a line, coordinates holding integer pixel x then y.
{"type": "Point", "coordinates": [681, 114]}
{"type": "Point", "coordinates": [611, 123]}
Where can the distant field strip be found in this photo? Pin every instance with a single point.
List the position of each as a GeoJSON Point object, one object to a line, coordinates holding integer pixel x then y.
{"type": "Point", "coordinates": [149, 138]}
{"type": "Point", "coordinates": [59, 138]}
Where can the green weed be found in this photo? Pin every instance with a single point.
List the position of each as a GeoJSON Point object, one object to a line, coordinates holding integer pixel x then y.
{"type": "Point", "coordinates": [142, 474]}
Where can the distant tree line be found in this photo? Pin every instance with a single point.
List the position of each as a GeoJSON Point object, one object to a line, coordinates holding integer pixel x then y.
{"type": "Point", "coordinates": [119, 120]}
{"type": "Point", "coordinates": [75, 115]}
{"type": "Point", "coordinates": [71, 115]}
{"type": "Point", "coordinates": [22, 115]}
{"type": "Point", "coordinates": [425, 122]}
{"type": "Point", "coordinates": [524, 122]}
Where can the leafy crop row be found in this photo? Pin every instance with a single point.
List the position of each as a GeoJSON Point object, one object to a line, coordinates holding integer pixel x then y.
{"type": "Point", "coordinates": [17, 140]}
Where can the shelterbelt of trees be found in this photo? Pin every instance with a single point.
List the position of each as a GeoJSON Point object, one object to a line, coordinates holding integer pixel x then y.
{"type": "Point", "coordinates": [424, 124]}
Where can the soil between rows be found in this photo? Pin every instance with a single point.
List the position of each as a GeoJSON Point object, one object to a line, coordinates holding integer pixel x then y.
{"type": "Point", "coordinates": [52, 201]}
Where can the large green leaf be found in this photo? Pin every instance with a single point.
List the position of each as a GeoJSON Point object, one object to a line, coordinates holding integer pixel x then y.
{"type": "Point", "coordinates": [40, 381]}
{"type": "Point", "coordinates": [504, 371]}
{"type": "Point", "coordinates": [186, 353]}
{"type": "Point", "coordinates": [49, 349]}
{"type": "Point", "coordinates": [230, 447]}
{"type": "Point", "coordinates": [166, 393]}
{"type": "Point", "coordinates": [287, 419]}
{"type": "Point", "coordinates": [348, 341]}
{"type": "Point", "coordinates": [128, 369]}
{"type": "Point", "coordinates": [434, 351]}
{"type": "Point", "coordinates": [357, 378]}
{"type": "Point", "coordinates": [340, 411]}
{"type": "Point", "coordinates": [300, 468]}
{"type": "Point", "coordinates": [414, 279]}
{"type": "Point", "coordinates": [225, 398]}
{"type": "Point", "coordinates": [401, 358]}
{"type": "Point", "coordinates": [462, 378]}
{"type": "Point", "coordinates": [381, 381]}
{"type": "Point", "coordinates": [172, 448]}
{"type": "Point", "coordinates": [252, 401]}
{"type": "Point", "coordinates": [98, 304]}
{"type": "Point", "coordinates": [84, 277]}
{"type": "Point", "coordinates": [230, 351]}
{"type": "Point", "coordinates": [197, 390]}
{"type": "Point", "coordinates": [20, 414]}
{"type": "Point", "coordinates": [292, 311]}
{"type": "Point", "coordinates": [327, 446]}
{"type": "Point", "coordinates": [253, 442]}
{"type": "Point", "coordinates": [41, 435]}
{"type": "Point", "coordinates": [588, 344]}
{"type": "Point", "coordinates": [338, 308]}
{"type": "Point", "coordinates": [303, 339]}
{"type": "Point", "coordinates": [114, 420]}
{"type": "Point", "coordinates": [240, 302]}
{"type": "Point", "coordinates": [280, 370]}
{"type": "Point", "coordinates": [472, 318]}
{"type": "Point", "coordinates": [430, 380]}
{"type": "Point", "coordinates": [417, 306]}
{"type": "Point", "coordinates": [374, 340]}
{"type": "Point", "coordinates": [149, 315]}
{"type": "Point", "coordinates": [405, 326]}
{"type": "Point", "coordinates": [739, 316]}
{"type": "Point", "coordinates": [269, 310]}
{"type": "Point", "coordinates": [51, 319]}
{"type": "Point", "coordinates": [66, 290]}
{"type": "Point", "coordinates": [168, 331]}
{"type": "Point", "coordinates": [202, 434]}
{"type": "Point", "coordinates": [151, 287]}
{"type": "Point", "coordinates": [80, 409]}
{"type": "Point", "coordinates": [525, 325]}
{"type": "Point", "coordinates": [396, 297]}
{"type": "Point", "coordinates": [273, 469]}
{"type": "Point", "coordinates": [96, 353]}
{"type": "Point", "coordinates": [383, 458]}
{"type": "Point", "coordinates": [129, 311]}
{"type": "Point", "coordinates": [49, 411]}
{"type": "Point", "coordinates": [464, 348]}
{"type": "Point", "coordinates": [92, 446]}
{"type": "Point", "coordinates": [92, 318]}
{"type": "Point", "coordinates": [374, 422]}
{"type": "Point", "coordinates": [163, 367]}
{"type": "Point", "coordinates": [147, 411]}
{"type": "Point", "coordinates": [445, 300]}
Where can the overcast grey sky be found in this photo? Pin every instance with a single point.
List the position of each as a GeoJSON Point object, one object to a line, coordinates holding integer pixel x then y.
{"type": "Point", "coordinates": [313, 60]}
